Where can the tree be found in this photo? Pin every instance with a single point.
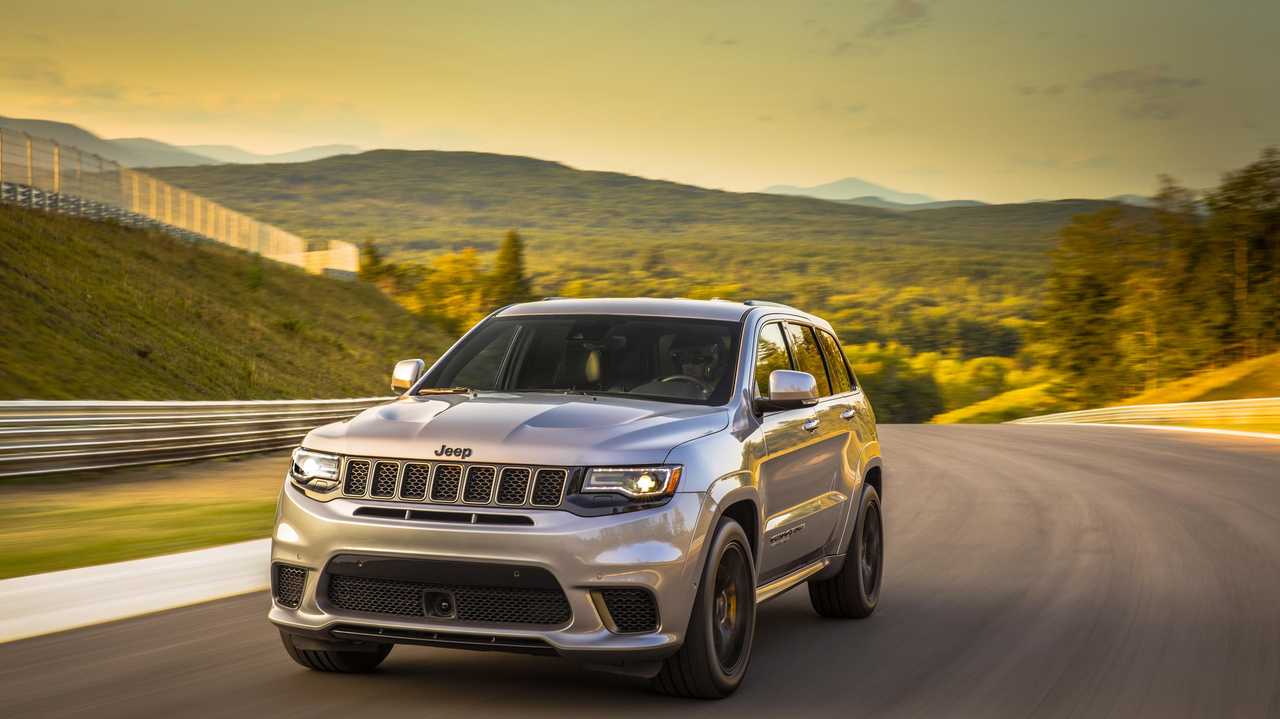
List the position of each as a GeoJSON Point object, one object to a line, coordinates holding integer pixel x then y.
{"type": "Point", "coordinates": [507, 282]}
{"type": "Point", "coordinates": [372, 265]}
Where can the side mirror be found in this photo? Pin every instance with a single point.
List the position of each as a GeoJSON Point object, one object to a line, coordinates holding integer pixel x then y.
{"type": "Point", "coordinates": [406, 373]}
{"type": "Point", "coordinates": [789, 389]}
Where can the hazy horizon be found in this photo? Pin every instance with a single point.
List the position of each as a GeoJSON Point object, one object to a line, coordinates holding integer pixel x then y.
{"type": "Point", "coordinates": [990, 100]}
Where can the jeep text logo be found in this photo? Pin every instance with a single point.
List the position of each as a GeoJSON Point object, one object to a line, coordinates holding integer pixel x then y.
{"type": "Point", "coordinates": [447, 451]}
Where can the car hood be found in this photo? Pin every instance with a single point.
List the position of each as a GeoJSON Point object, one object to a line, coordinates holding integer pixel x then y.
{"type": "Point", "coordinates": [501, 428]}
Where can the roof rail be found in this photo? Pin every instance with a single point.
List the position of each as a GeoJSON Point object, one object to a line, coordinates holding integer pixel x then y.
{"type": "Point", "coordinates": [767, 303]}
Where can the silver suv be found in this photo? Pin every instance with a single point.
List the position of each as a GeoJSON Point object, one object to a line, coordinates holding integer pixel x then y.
{"type": "Point", "coordinates": [620, 482]}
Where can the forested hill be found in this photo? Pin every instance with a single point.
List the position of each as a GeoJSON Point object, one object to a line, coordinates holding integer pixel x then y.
{"type": "Point", "coordinates": [427, 200]}
{"type": "Point", "coordinates": [927, 299]}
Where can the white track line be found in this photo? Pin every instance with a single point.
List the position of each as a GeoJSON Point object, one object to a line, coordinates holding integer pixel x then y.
{"type": "Point", "coordinates": [56, 601]}
{"type": "Point", "coordinates": [1175, 428]}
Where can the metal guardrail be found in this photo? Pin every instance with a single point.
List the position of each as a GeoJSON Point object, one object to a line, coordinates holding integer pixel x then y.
{"type": "Point", "coordinates": [45, 437]}
{"type": "Point", "coordinates": [40, 173]}
{"type": "Point", "coordinates": [1231, 411]}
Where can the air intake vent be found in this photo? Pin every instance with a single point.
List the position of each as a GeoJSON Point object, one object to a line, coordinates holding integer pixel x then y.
{"type": "Point", "coordinates": [488, 605]}
{"type": "Point", "coordinates": [631, 611]}
{"type": "Point", "coordinates": [287, 583]}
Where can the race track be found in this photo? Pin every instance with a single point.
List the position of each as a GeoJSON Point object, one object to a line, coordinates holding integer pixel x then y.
{"type": "Point", "coordinates": [1032, 571]}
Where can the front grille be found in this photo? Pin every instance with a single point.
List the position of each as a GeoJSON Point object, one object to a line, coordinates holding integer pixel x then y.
{"type": "Point", "coordinates": [444, 488]}
{"type": "Point", "coordinates": [384, 479]}
{"type": "Point", "coordinates": [414, 484]}
{"type": "Point", "coordinates": [489, 605]}
{"type": "Point", "coordinates": [479, 487]}
{"type": "Point", "coordinates": [632, 610]}
{"type": "Point", "coordinates": [452, 483]}
{"type": "Point", "coordinates": [287, 583]}
{"type": "Point", "coordinates": [356, 482]}
{"type": "Point", "coordinates": [513, 486]}
{"type": "Point", "coordinates": [548, 487]}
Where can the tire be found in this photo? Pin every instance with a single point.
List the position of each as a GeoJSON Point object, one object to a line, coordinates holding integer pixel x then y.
{"type": "Point", "coordinates": [717, 644]}
{"type": "Point", "coordinates": [341, 662]}
{"type": "Point", "coordinates": [855, 591]}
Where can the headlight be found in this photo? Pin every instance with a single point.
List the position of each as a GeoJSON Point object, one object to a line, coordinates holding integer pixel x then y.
{"type": "Point", "coordinates": [315, 470]}
{"type": "Point", "coordinates": [635, 482]}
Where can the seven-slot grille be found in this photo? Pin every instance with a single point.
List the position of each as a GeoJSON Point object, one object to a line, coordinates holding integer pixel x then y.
{"type": "Point", "coordinates": [453, 483]}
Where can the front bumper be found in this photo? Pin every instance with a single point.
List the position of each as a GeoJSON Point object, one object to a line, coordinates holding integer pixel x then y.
{"type": "Point", "coordinates": [655, 549]}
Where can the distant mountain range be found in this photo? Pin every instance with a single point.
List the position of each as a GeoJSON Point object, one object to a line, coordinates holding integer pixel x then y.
{"type": "Point", "coordinates": [145, 152]}
{"type": "Point", "coordinates": [883, 204]}
{"type": "Point", "coordinates": [850, 187]}
{"type": "Point", "coordinates": [233, 155]}
{"type": "Point", "coordinates": [855, 191]}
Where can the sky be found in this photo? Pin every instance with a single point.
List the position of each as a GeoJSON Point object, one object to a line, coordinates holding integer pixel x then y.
{"type": "Point", "coordinates": [996, 100]}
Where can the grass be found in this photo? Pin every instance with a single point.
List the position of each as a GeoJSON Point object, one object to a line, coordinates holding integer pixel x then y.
{"type": "Point", "coordinates": [98, 311]}
{"type": "Point", "coordinates": [1259, 377]}
{"type": "Point", "coordinates": [1014, 404]}
{"type": "Point", "coordinates": [83, 520]}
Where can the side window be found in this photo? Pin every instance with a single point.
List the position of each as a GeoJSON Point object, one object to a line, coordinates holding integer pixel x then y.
{"type": "Point", "coordinates": [808, 356]}
{"type": "Point", "coordinates": [841, 380]}
{"type": "Point", "coordinates": [771, 354]}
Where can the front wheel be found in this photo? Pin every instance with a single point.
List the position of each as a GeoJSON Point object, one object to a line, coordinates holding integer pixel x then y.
{"type": "Point", "coordinates": [855, 591]}
{"type": "Point", "coordinates": [717, 644]}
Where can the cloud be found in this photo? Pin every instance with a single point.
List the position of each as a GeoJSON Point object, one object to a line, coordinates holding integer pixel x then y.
{"type": "Point", "coordinates": [854, 108]}
{"type": "Point", "coordinates": [1148, 92]}
{"type": "Point", "coordinates": [714, 40]}
{"type": "Point", "coordinates": [1052, 90]}
{"type": "Point", "coordinates": [901, 16]}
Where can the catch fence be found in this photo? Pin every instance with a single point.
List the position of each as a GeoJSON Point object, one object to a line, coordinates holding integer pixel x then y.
{"type": "Point", "coordinates": [40, 173]}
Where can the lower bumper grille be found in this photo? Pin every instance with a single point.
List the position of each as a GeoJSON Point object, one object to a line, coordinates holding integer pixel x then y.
{"type": "Point", "coordinates": [489, 605]}
{"type": "Point", "coordinates": [632, 610]}
{"type": "Point", "coordinates": [287, 583]}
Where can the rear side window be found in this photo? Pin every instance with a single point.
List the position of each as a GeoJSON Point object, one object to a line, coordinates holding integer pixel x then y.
{"type": "Point", "coordinates": [771, 354]}
{"type": "Point", "coordinates": [808, 356]}
{"type": "Point", "coordinates": [841, 380]}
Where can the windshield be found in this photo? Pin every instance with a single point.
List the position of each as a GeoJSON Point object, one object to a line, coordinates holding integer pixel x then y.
{"type": "Point", "coordinates": [674, 360]}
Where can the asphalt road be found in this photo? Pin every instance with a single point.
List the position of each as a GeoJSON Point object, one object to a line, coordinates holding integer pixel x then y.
{"type": "Point", "coordinates": [1032, 571]}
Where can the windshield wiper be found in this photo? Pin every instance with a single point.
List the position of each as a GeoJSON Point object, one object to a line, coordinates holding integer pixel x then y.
{"type": "Point", "coordinates": [445, 390]}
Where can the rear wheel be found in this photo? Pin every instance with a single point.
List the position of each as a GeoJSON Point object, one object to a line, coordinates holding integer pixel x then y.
{"type": "Point", "coordinates": [333, 660]}
{"type": "Point", "coordinates": [855, 591]}
{"type": "Point", "coordinates": [717, 644]}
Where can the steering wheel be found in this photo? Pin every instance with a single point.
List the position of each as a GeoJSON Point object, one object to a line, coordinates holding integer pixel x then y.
{"type": "Point", "coordinates": [686, 378]}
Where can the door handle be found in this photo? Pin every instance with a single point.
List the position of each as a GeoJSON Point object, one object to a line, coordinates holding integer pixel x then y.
{"type": "Point", "coordinates": [810, 424]}
{"type": "Point", "coordinates": [849, 414]}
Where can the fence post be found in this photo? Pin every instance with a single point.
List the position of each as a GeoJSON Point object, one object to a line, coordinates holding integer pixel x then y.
{"type": "Point", "coordinates": [30, 173]}
{"type": "Point", "coordinates": [57, 168]}
{"type": "Point", "coordinates": [1, 155]}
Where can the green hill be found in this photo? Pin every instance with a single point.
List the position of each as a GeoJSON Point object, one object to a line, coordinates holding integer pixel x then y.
{"type": "Point", "coordinates": [99, 311]}
{"type": "Point", "coordinates": [1259, 377]}
{"type": "Point", "coordinates": [608, 233]}
{"type": "Point", "coordinates": [429, 200]}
